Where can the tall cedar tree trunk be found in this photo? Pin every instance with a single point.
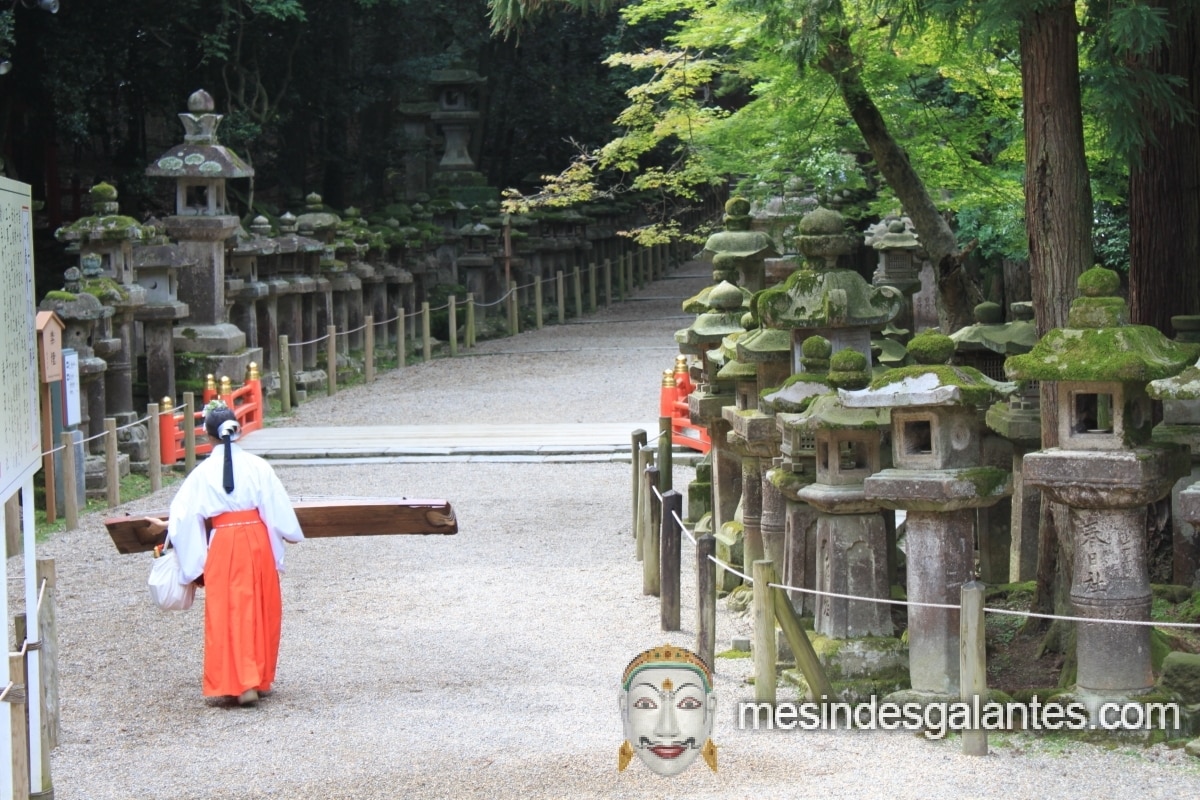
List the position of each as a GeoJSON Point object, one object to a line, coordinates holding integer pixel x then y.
{"type": "Point", "coordinates": [1164, 191]}
{"type": "Point", "coordinates": [958, 295]}
{"type": "Point", "coordinates": [1058, 218]}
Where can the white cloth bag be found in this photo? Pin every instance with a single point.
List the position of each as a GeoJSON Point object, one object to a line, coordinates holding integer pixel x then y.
{"type": "Point", "coordinates": [165, 589]}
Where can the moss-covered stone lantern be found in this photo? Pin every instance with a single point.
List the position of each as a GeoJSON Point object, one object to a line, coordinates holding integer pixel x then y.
{"type": "Point", "coordinates": [851, 540]}
{"type": "Point", "coordinates": [1105, 470]}
{"type": "Point", "coordinates": [823, 299]}
{"type": "Point", "coordinates": [746, 249]}
{"type": "Point", "coordinates": [938, 480]}
{"type": "Point", "coordinates": [1007, 531]}
{"type": "Point", "coordinates": [726, 308]}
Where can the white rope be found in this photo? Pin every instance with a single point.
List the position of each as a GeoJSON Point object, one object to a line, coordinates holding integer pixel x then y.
{"type": "Point", "coordinates": [310, 341]}
{"type": "Point", "coordinates": [355, 330]}
{"type": "Point", "coordinates": [683, 527]}
{"type": "Point", "coordinates": [135, 423]}
{"type": "Point", "coordinates": [885, 601]}
{"type": "Point", "coordinates": [729, 568]}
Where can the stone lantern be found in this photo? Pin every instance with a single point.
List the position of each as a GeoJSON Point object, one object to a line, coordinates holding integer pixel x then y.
{"type": "Point", "coordinates": [85, 323]}
{"type": "Point", "coordinates": [746, 249]}
{"type": "Point", "coordinates": [823, 299]}
{"type": "Point", "coordinates": [202, 225]}
{"type": "Point", "coordinates": [106, 244]}
{"type": "Point", "coordinates": [795, 468]}
{"type": "Point", "coordinates": [900, 259]}
{"type": "Point", "coordinates": [938, 480]}
{"type": "Point", "coordinates": [476, 265]}
{"type": "Point", "coordinates": [296, 265]}
{"type": "Point", "coordinates": [1106, 470]}
{"type": "Point", "coordinates": [157, 265]}
{"type": "Point", "coordinates": [723, 317]}
{"type": "Point", "coordinates": [984, 346]}
{"type": "Point", "coordinates": [1180, 425]}
{"type": "Point", "coordinates": [244, 288]}
{"type": "Point", "coordinates": [851, 539]}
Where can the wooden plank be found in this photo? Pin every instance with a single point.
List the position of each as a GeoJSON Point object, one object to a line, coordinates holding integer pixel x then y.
{"type": "Point", "coordinates": [320, 519]}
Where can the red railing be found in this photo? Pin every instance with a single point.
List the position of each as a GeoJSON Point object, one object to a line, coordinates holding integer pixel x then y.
{"type": "Point", "coordinates": [673, 403]}
{"type": "Point", "coordinates": [246, 402]}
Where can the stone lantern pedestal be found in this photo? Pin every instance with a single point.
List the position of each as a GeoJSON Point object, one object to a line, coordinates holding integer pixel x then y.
{"type": "Point", "coordinates": [1105, 470]}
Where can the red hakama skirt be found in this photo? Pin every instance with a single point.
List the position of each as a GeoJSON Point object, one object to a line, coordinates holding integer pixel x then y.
{"type": "Point", "coordinates": [243, 610]}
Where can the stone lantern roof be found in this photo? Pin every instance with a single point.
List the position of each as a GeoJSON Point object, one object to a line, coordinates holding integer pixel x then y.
{"type": "Point", "coordinates": [106, 223]}
{"type": "Point", "coordinates": [737, 239]}
{"type": "Point", "coordinates": [764, 345]}
{"type": "Point", "coordinates": [990, 332]}
{"type": "Point", "coordinates": [316, 218]}
{"type": "Point", "coordinates": [200, 155]}
{"type": "Point", "coordinates": [931, 382]}
{"type": "Point", "coordinates": [827, 413]}
{"type": "Point", "coordinates": [833, 298]}
{"type": "Point", "coordinates": [1099, 345]}
{"type": "Point", "coordinates": [723, 318]}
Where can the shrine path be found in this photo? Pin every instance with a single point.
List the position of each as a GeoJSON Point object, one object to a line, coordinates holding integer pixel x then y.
{"type": "Point", "coordinates": [484, 664]}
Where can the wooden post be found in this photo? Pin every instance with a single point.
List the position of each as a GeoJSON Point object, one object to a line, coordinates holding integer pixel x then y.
{"type": "Point", "coordinates": [706, 605]}
{"type": "Point", "coordinates": [638, 440]}
{"type": "Point", "coordinates": [14, 538]}
{"type": "Point", "coordinates": [47, 636]}
{"type": "Point", "coordinates": [401, 345]}
{"type": "Point", "coordinates": [470, 337]}
{"type": "Point", "coordinates": [972, 661]}
{"type": "Point", "coordinates": [664, 451]}
{"type": "Point", "coordinates": [426, 345]}
{"type": "Point", "coordinates": [764, 632]}
{"type": "Point", "coordinates": [559, 290]}
{"type": "Point", "coordinates": [331, 359]}
{"type": "Point", "coordinates": [650, 534]}
{"type": "Point", "coordinates": [189, 432]}
{"type": "Point", "coordinates": [20, 745]}
{"type": "Point", "coordinates": [153, 441]}
{"type": "Point", "coordinates": [452, 323]}
{"type": "Point", "coordinates": [514, 321]}
{"type": "Point", "coordinates": [537, 302]}
{"type": "Point", "coordinates": [645, 461]}
{"type": "Point", "coordinates": [621, 278]}
{"type": "Point", "coordinates": [70, 489]}
{"type": "Point", "coordinates": [578, 285]}
{"type": "Point", "coordinates": [48, 620]}
{"type": "Point", "coordinates": [369, 350]}
{"type": "Point", "coordinates": [112, 473]}
{"type": "Point", "coordinates": [285, 374]}
{"type": "Point", "coordinates": [669, 540]}
{"type": "Point", "coordinates": [607, 282]}
{"type": "Point", "coordinates": [592, 287]}
{"type": "Point", "coordinates": [802, 649]}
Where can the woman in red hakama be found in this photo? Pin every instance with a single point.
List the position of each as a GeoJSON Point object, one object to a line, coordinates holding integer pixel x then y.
{"type": "Point", "coordinates": [229, 537]}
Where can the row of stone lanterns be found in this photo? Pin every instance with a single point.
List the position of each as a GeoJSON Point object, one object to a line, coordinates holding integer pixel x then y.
{"type": "Point", "coordinates": [814, 442]}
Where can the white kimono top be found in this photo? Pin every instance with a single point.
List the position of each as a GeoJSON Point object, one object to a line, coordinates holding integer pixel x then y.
{"type": "Point", "coordinates": [202, 496]}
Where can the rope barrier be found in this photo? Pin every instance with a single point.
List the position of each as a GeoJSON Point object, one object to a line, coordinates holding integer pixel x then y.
{"type": "Point", "coordinates": [355, 330]}
{"type": "Point", "coordinates": [143, 421]}
{"type": "Point", "coordinates": [4, 693]}
{"type": "Point", "coordinates": [917, 604]}
{"type": "Point", "coordinates": [683, 527]}
{"type": "Point", "coordinates": [310, 341]}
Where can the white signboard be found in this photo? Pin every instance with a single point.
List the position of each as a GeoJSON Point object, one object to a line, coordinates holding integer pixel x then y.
{"type": "Point", "coordinates": [20, 424]}
{"type": "Point", "coordinates": [70, 409]}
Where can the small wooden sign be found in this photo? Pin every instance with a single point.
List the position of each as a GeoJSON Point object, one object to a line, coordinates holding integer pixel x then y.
{"type": "Point", "coordinates": [319, 519]}
{"type": "Point", "coordinates": [49, 335]}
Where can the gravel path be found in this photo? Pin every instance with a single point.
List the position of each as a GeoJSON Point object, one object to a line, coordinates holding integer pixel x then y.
{"type": "Point", "coordinates": [484, 664]}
